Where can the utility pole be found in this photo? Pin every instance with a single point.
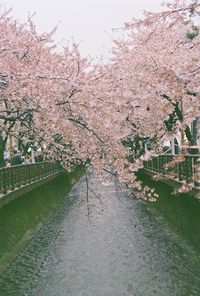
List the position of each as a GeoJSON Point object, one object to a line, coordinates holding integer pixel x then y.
{"type": "Point", "coordinates": [182, 131]}
{"type": "Point", "coordinates": [172, 146]}
{"type": "Point", "coordinates": [32, 154]}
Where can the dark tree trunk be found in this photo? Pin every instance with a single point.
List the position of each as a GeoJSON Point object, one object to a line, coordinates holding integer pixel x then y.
{"type": "Point", "coordinates": [191, 135]}
{"type": "Point", "coordinates": [2, 149]}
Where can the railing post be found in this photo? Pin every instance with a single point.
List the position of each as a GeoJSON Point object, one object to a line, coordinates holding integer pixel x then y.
{"type": "Point", "coordinates": [1, 181]}
{"type": "Point", "coordinates": [197, 172]}
{"type": "Point", "coordinates": [158, 164]}
{"type": "Point", "coordinates": [193, 171]}
{"type": "Point", "coordinates": [5, 187]}
{"type": "Point", "coordinates": [12, 178]}
{"type": "Point", "coordinates": [180, 171]}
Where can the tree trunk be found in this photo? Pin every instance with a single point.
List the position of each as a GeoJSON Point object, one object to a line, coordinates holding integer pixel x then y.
{"type": "Point", "coordinates": [2, 149]}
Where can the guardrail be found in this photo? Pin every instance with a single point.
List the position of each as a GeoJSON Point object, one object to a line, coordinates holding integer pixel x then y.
{"type": "Point", "coordinates": [185, 171]}
{"type": "Point", "coordinates": [15, 177]}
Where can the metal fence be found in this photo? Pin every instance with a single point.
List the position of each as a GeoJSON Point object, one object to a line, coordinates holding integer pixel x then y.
{"type": "Point", "coordinates": [181, 169]}
{"type": "Point", "coordinates": [14, 177]}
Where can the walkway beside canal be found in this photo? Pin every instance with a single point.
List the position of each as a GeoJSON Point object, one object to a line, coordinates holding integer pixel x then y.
{"type": "Point", "coordinates": [128, 248]}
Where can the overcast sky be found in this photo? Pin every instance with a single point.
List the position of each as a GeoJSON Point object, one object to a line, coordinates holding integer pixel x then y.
{"type": "Point", "coordinates": [88, 21]}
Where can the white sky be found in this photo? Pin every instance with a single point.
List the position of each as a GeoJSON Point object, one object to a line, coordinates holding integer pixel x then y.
{"type": "Point", "coordinates": [88, 21]}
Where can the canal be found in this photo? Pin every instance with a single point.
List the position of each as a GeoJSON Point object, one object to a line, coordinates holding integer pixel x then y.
{"type": "Point", "coordinates": [127, 247]}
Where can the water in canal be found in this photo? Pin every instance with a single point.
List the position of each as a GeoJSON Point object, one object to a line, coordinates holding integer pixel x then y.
{"type": "Point", "coordinates": [128, 248]}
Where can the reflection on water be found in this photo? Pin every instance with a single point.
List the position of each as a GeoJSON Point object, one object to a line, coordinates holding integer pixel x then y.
{"type": "Point", "coordinates": [128, 248]}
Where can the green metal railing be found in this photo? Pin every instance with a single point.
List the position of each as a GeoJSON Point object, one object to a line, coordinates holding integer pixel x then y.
{"type": "Point", "coordinates": [14, 177]}
{"type": "Point", "coordinates": [187, 170]}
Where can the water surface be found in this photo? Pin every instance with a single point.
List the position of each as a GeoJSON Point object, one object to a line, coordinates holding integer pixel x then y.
{"type": "Point", "coordinates": [128, 248]}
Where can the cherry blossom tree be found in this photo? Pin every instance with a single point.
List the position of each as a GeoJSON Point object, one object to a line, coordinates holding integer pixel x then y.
{"type": "Point", "coordinates": [157, 66]}
{"type": "Point", "coordinates": [161, 64]}
{"type": "Point", "coordinates": [84, 113]}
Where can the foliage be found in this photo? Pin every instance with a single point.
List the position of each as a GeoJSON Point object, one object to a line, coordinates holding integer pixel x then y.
{"type": "Point", "coordinates": [80, 111]}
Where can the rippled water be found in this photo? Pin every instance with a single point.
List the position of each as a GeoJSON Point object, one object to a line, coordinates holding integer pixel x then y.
{"type": "Point", "coordinates": [128, 248]}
